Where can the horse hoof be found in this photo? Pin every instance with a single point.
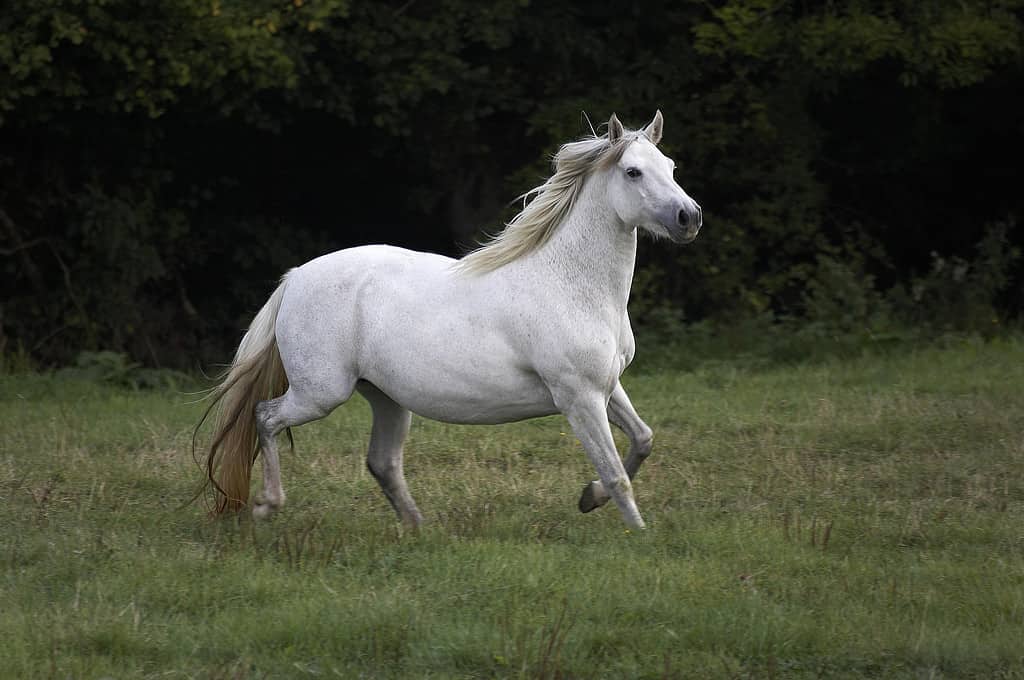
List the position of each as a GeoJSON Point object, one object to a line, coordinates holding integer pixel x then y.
{"type": "Point", "coordinates": [590, 500]}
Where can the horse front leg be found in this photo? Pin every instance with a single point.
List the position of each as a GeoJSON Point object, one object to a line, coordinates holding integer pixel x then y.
{"type": "Point", "coordinates": [588, 417]}
{"type": "Point", "coordinates": [621, 414]}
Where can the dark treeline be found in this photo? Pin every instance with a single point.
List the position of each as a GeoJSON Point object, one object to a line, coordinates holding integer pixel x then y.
{"type": "Point", "coordinates": [161, 163]}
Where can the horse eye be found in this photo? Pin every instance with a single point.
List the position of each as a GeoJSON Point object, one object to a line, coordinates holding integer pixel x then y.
{"type": "Point", "coordinates": [633, 173]}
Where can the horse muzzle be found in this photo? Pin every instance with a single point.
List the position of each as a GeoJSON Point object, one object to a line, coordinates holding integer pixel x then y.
{"type": "Point", "coordinates": [688, 221]}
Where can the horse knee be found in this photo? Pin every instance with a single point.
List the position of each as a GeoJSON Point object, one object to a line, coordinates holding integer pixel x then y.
{"type": "Point", "coordinates": [644, 442]}
{"type": "Point", "coordinates": [382, 469]}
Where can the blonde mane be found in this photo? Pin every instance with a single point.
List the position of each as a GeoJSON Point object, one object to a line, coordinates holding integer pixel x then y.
{"type": "Point", "coordinates": [550, 204]}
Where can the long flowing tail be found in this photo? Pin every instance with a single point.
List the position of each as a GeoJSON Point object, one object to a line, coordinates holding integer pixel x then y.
{"type": "Point", "coordinates": [255, 374]}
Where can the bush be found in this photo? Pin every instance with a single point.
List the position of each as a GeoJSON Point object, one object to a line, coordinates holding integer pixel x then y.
{"type": "Point", "coordinates": [842, 298]}
{"type": "Point", "coordinates": [957, 294]}
{"type": "Point", "coordinates": [114, 368]}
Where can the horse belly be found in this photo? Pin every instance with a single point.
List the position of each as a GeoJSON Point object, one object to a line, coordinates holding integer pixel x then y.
{"type": "Point", "coordinates": [461, 388]}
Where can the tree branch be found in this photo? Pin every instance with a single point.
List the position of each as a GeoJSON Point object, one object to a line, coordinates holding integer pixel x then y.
{"type": "Point", "coordinates": [20, 246]}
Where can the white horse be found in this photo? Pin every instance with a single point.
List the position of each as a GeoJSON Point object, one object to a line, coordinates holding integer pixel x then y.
{"type": "Point", "coordinates": [531, 324]}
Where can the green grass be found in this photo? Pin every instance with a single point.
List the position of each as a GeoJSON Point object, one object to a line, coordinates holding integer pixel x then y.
{"type": "Point", "coordinates": [861, 517]}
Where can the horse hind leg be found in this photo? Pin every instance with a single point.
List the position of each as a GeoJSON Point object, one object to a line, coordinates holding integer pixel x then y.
{"type": "Point", "coordinates": [621, 414]}
{"type": "Point", "coordinates": [273, 416]}
{"type": "Point", "coordinates": [384, 458]}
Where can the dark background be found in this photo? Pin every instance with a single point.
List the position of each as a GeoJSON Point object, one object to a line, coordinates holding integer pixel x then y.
{"type": "Point", "coordinates": [161, 164]}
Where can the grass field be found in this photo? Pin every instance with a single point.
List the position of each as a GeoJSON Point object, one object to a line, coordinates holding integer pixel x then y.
{"type": "Point", "coordinates": [848, 518]}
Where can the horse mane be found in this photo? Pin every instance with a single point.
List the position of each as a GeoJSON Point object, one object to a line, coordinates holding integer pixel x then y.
{"type": "Point", "coordinates": [546, 206]}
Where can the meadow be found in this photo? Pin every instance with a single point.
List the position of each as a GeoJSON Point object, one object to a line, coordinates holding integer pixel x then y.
{"type": "Point", "coordinates": [845, 517]}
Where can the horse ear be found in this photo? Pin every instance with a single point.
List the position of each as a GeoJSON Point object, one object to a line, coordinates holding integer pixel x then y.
{"type": "Point", "coordinates": [654, 129]}
{"type": "Point", "coordinates": [615, 129]}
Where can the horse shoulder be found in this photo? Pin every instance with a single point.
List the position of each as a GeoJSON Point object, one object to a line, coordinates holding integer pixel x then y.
{"type": "Point", "coordinates": [573, 355]}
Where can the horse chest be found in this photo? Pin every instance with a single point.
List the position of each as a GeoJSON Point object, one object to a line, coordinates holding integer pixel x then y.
{"type": "Point", "coordinates": [582, 349]}
{"type": "Point", "coordinates": [627, 347]}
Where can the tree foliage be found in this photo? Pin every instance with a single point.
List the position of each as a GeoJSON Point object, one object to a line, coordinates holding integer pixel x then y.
{"type": "Point", "coordinates": [161, 163]}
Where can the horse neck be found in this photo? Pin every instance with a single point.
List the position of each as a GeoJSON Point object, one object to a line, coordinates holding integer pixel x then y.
{"type": "Point", "coordinates": [591, 254]}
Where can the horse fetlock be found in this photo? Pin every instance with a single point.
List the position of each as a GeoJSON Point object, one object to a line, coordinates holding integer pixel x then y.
{"type": "Point", "coordinates": [261, 512]}
{"type": "Point", "coordinates": [619, 485]}
{"type": "Point", "coordinates": [636, 522]}
{"type": "Point", "coordinates": [412, 519]}
{"type": "Point", "coordinates": [265, 505]}
{"type": "Point", "coordinates": [622, 491]}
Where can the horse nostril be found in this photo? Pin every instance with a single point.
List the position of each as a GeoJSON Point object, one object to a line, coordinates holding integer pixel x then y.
{"type": "Point", "coordinates": [684, 218]}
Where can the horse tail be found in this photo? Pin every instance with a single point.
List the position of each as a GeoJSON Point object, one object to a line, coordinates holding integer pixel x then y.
{"type": "Point", "coordinates": [256, 374]}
